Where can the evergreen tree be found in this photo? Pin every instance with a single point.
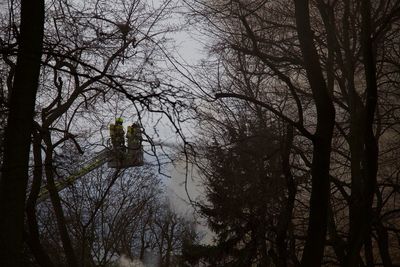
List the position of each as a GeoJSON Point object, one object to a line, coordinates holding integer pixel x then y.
{"type": "Point", "coordinates": [244, 190]}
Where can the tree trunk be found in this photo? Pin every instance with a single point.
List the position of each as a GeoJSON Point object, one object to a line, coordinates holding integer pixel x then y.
{"type": "Point", "coordinates": [285, 216]}
{"type": "Point", "coordinates": [370, 144]}
{"type": "Point", "coordinates": [58, 210]}
{"type": "Point", "coordinates": [319, 202]}
{"type": "Point", "coordinates": [338, 244]}
{"type": "Point", "coordinates": [33, 238]}
{"type": "Point", "coordinates": [383, 244]}
{"type": "Point", "coordinates": [14, 177]}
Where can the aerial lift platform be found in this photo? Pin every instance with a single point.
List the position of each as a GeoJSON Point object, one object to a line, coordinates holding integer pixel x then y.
{"type": "Point", "coordinates": [117, 158]}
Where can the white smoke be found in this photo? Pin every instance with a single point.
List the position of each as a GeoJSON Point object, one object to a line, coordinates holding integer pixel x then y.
{"type": "Point", "coordinates": [124, 261]}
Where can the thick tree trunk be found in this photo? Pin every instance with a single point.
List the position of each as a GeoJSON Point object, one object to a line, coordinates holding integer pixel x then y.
{"type": "Point", "coordinates": [319, 203]}
{"type": "Point", "coordinates": [17, 135]}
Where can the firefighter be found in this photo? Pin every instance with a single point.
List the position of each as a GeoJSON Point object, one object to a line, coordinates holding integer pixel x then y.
{"type": "Point", "coordinates": [117, 135]}
{"type": "Point", "coordinates": [133, 136]}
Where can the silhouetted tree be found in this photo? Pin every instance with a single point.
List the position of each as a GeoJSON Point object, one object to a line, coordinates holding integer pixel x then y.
{"type": "Point", "coordinates": [323, 63]}
{"type": "Point", "coordinates": [14, 172]}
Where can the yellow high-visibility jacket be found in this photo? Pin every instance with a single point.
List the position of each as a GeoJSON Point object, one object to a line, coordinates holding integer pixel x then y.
{"type": "Point", "coordinates": [133, 136]}
{"type": "Point", "coordinates": [116, 129]}
{"type": "Point", "coordinates": [117, 133]}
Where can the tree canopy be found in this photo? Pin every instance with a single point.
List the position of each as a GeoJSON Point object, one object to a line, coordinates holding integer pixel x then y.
{"type": "Point", "coordinates": [291, 121]}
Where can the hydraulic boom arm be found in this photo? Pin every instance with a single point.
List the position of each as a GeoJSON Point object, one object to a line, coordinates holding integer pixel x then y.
{"type": "Point", "coordinates": [119, 157]}
{"type": "Point", "coordinates": [101, 158]}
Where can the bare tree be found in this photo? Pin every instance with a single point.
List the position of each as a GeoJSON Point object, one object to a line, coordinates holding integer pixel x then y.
{"type": "Point", "coordinates": [93, 54]}
{"type": "Point", "coordinates": [14, 174]}
{"type": "Point", "coordinates": [318, 57]}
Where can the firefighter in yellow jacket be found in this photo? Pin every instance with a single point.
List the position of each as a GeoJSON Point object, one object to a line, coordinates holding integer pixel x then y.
{"type": "Point", "coordinates": [133, 136]}
{"type": "Point", "coordinates": [117, 135]}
